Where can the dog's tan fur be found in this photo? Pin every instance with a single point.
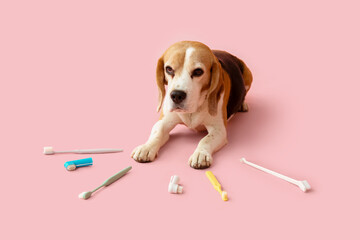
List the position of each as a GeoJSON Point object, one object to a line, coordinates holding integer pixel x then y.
{"type": "Point", "coordinates": [206, 106]}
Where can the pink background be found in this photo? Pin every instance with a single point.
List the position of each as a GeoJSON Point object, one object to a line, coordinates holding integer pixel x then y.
{"type": "Point", "coordinates": [81, 74]}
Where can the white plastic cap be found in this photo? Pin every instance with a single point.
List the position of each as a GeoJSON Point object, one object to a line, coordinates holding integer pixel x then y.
{"type": "Point", "coordinates": [48, 150]}
{"type": "Point", "coordinates": [172, 188]}
{"type": "Point", "coordinates": [175, 188]}
{"type": "Point", "coordinates": [174, 179]}
{"type": "Point", "coordinates": [173, 185]}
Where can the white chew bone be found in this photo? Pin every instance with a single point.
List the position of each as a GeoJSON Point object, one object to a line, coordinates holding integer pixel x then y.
{"type": "Point", "coordinates": [303, 185]}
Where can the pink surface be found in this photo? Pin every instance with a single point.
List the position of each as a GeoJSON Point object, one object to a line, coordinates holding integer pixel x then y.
{"type": "Point", "coordinates": [81, 74]}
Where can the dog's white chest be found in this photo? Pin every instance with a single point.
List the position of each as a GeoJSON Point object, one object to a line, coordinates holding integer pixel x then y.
{"type": "Point", "coordinates": [192, 120]}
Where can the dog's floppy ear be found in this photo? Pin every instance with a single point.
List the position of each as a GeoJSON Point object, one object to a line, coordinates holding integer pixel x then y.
{"type": "Point", "coordinates": [160, 80]}
{"type": "Point", "coordinates": [216, 86]}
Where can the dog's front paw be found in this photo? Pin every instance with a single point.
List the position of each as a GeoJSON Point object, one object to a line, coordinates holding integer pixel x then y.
{"type": "Point", "coordinates": [200, 159]}
{"type": "Point", "coordinates": [144, 153]}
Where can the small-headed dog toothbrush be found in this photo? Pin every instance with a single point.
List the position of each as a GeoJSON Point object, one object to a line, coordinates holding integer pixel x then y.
{"type": "Point", "coordinates": [303, 185]}
{"type": "Point", "coordinates": [86, 195]}
{"type": "Point", "coordinates": [72, 165]}
{"type": "Point", "coordinates": [50, 150]}
{"type": "Point", "coordinates": [216, 185]}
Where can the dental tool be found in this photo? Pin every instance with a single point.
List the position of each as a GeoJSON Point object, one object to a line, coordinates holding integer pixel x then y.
{"type": "Point", "coordinates": [216, 185]}
{"type": "Point", "coordinates": [112, 179]}
{"type": "Point", "coordinates": [50, 151]}
{"type": "Point", "coordinates": [303, 185]}
{"type": "Point", "coordinates": [72, 165]}
{"type": "Point", "coordinates": [174, 186]}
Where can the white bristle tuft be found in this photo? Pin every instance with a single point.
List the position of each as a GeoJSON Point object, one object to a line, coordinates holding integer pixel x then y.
{"type": "Point", "coordinates": [71, 167]}
{"type": "Point", "coordinates": [82, 195]}
{"type": "Point", "coordinates": [306, 185]}
{"type": "Point", "coordinates": [48, 150]}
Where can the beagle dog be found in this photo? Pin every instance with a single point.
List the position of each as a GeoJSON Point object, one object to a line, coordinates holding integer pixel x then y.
{"type": "Point", "coordinates": [202, 89]}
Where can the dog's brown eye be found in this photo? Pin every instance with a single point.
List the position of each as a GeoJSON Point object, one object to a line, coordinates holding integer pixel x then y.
{"type": "Point", "coordinates": [197, 72]}
{"type": "Point", "coordinates": [169, 70]}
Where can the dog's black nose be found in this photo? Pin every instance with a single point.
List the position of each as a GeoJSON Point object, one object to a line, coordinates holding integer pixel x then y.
{"type": "Point", "coordinates": [178, 96]}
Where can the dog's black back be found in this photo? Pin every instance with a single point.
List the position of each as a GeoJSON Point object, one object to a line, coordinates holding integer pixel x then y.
{"type": "Point", "coordinates": [234, 67]}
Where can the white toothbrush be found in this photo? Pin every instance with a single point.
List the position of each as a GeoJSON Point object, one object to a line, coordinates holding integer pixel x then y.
{"type": "Point", "coordinates": [303, 185]}
{"type": "Point", "coordinates": [50, 150]}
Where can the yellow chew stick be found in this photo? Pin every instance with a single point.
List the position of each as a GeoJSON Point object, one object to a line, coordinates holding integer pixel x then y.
{"type": "Point", "coordinates": [216, 185]}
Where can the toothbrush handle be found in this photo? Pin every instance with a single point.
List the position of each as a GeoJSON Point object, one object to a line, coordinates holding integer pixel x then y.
{"type": "Point", "coordinates": [288, 179]}
{"type": "Point", "coordinates": [116, 176]}
{"type": "Point", "coordinates": [213, 180]}
{"type": "Point", "coordinates": [104, 150]}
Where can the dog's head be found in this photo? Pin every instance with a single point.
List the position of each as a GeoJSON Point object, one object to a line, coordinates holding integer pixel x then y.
{"type": "Point", "coordinates": [188, 74]}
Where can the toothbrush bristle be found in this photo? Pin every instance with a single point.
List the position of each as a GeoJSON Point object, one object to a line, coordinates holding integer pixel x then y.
{"type": "Point", "coordinates": [224, 196]}
{"type": "Point", "coordinates": [82, 195]}
{"type": "Point", "coordinates": [48, 150]}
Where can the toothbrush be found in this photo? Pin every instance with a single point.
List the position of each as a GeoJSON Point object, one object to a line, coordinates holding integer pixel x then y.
{"type": "Point", "coordinates": [216, 185]}
{"type": "Point", "coordinates": [72, 165]}
{"type": "Point", "coordinates": [303, 185]}
{"type": "Point", "coordinates": [114, 178]}
{"type": "Point", "coordinates": [50, 150]}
